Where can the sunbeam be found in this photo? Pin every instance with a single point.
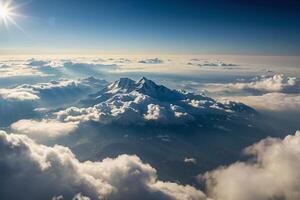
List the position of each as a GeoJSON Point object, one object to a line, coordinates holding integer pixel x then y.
{"type": "Point", "coordinates": [9, 13]}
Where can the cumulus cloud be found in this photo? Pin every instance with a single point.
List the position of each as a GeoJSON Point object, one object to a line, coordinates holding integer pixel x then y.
{"type": "Point", "coordinates": [122, 60]}
{"type": "Point", "coordinates": [34, 171]}
{"type": "Point", "coordinates": [276, 83]}
{"type": "Point", "coordinates": [74, 66]}
{"type": "Point", "coordinates": [206, 63]}
{"type": "Point", "coordinates": [271, 173]}
{"type": "Point", "coordinates": [78, 196]}
{"type": "Point", "coordinates": [190, 160]}
{"type": "Point", "coordinates": [53, 90]}
{"type": "Point", "coordinates": [39, 63]}
{"type": "Point", "coordinates": [14, 109]}
{"type": "Point", "coordinates": [273, 101]}
{"type": "Point", "coordinates": [19, 69]}
{"type": "Point", "coordinates": [19, 102]}
{"type": "Point", "coordinates": [51, 67]}
{"type": "Point", "coordinates": [44, 128]}
{"type": "Point", "coordinates": [151, 61]}
{"type": "Point", "coordinates": [20, 94]}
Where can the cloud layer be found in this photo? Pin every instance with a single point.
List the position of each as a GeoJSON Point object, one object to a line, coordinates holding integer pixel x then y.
{"type": "Point", "coordinates": [273, 101]}
{"type": "Point", "coordinates": [33, 171]}
{"type": "Point", "coordinates": [276, 83]}
{"type": "Point", "coordinates": [206, 63]}
{"type": "Point", "coordinates": [44, 128]}
{"type": "Point", "coordinates": [272, 173]}
{"type": "Point", "coordinates": [151, 61]}
{"type": "Point", "coordinates": [53, 90]}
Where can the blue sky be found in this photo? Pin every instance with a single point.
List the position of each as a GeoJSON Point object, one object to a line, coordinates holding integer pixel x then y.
{"type": "Point", "coordinates": [166, 27]}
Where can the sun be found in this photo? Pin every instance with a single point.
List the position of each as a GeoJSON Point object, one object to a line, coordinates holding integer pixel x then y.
{"type": "Point", "coordinates": [4, 11]}
{"type": "Point", "coordinates": [8, 14]}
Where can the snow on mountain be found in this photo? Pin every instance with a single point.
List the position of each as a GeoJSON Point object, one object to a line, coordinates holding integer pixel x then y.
{"type": "Point", "coordinates": [127, 101]}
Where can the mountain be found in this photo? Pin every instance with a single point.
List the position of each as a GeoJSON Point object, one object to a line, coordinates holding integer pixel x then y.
{"type": "Point", "coordinates": [127, 101]}
{"type": "Point", "coordinates": [143, 86]}
{"type": "Point", "coordinates": [162, 125]}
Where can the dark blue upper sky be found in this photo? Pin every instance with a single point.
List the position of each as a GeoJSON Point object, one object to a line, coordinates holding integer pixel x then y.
{"type": "Point", "coordinates": [155, 26]}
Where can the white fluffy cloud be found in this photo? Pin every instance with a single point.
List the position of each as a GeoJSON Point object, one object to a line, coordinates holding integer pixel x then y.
{"type": "Point", "coordinates": [54, 172]}
{"type": "Point", "coordinates": [78, 196]}
{"type": "Point", "coordinates": [62, 88]}
{"type": "Point", "coordinates": [20, 94]}
{"type": "Point", "coordinates": [18, 69]}
{"type": "Point", "coordinates": [276, 83]}
{"type": "Point", "coordinates": [273, 101]}
{"type": "Point", "coordinates": [272, 173]}
{"type": "Point", "coordinates": [44, 128]}
{"type": "Point", "coordinates": [32, 92]}
{"type": "Point", "coordinates": [190, 160]}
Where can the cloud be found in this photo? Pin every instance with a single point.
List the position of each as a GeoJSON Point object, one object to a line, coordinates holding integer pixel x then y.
{"type": "Point", "coordinates": [53, 90]}
{"type": "Point", "coordinates": [122, 60]}
{"type": "Point", "coordinates": [20, 102]}
{"type": "Point", "coordinates": [77, 67]}
{"type": "Point", "coordinates": [151, 61]}
{"type": "Point", "coordinates": [11, 69]}
{"type": "Point", "coordinates": [12, 110]}
{"type": "Point", "coordinates": [38, 63]}
{"type": "Point", "coordinates": [34, 171]}
{"type": "Point", "coordinates": [44, 128]}
{"type": "Point", "coordinates": [271, 173]}
{"type": "Point", "coordinates": [52, 67]}
{"type": "Point", "coordinates": [78, 196]}
{"type": "Point", "coordinates": [89, 69]}
{"type": "Point", "coordinates": [206, 63]}
{"type": "Point", "coordinates": [276, 83]}
{"type": "Point", "coordinates": [273, 101]}
{"type": "Point", "coordinates": [19, 94]}
{"type": "Point", "coordinates": [190, 160]}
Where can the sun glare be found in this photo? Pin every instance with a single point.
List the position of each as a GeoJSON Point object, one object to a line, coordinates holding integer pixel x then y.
{"type": "Point", "coordinates": [8, 14]}
{"type": "Point", "coordinates": [4, 11]}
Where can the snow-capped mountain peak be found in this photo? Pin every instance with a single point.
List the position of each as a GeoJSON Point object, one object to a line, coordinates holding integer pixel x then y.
{"type": "Point", "coordinates": [138, 102]}
{"type": "Point", "coordinates": [121, 85]}
{"type": "Point", "coordinates": [151, 89]}
{"type": "Point", "coordinates": [143, 86]}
